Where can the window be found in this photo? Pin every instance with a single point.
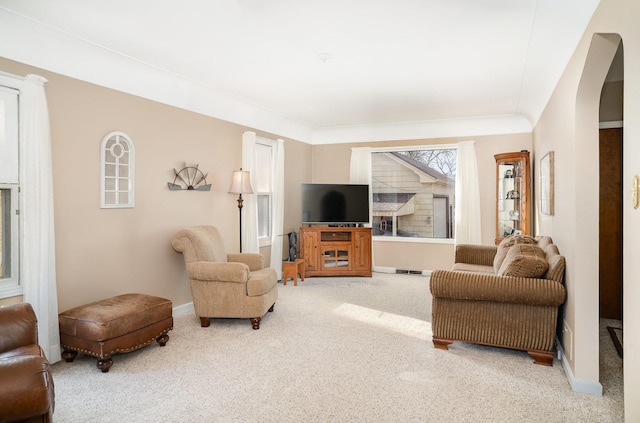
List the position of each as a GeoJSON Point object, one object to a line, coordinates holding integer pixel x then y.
{"type": "Point", "coordinates": [116, 171]}
{"type": "Point", "coordinates": [264, 190]}
{"type": "Point", "coordinates": [9, 246]}
{"type": "Point", "coordinates": [9, 190]}
{"type": "Point", "coordinates": [413, 192]}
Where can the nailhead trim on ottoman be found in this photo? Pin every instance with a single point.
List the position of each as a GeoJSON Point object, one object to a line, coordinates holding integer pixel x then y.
{"type": "Point", "coordinates": [115, 325]}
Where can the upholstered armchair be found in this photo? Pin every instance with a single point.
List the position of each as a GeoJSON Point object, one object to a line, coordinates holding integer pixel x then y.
{"type": "Point", "coordinates": [26, 386]}
{"type": "Point", "coordinates": [234, 285]}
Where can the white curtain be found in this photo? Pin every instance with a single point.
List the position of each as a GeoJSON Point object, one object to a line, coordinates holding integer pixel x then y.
{"type": "Point", "coordinates": [277, 222]}
{"type": "Point", "coordinates": [468, 223]}
{"type": "Point", "coordinates": [250, 209]}
{"type": "Point", "coordinates": [360, 171]}
{"type": "Point", "coordinates": [38, 263]}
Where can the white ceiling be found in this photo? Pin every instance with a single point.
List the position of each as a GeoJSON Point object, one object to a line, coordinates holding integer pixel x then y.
{"type": "Point", "coordinates": [398, 69]}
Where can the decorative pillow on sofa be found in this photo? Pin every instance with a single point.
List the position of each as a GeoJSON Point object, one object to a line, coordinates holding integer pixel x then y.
{"type": "Point", "coordinates": [524, 260]}
{"type": "Point", "coordinates": [505, 245]}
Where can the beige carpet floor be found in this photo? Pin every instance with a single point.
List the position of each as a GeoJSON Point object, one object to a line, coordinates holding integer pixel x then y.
{"type": "Point", "coordinates": [334, 350]}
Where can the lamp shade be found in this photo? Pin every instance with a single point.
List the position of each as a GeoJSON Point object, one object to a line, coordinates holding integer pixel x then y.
{"type": "Point", "coordinates": [240, 183]}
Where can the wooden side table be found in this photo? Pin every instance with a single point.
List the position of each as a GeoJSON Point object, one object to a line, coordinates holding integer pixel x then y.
{"type": "Point", "coordinates": [290, 269]}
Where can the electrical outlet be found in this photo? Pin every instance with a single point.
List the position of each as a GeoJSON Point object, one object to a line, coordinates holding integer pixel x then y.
{"type": "Point", "coordinates": [567, 340]}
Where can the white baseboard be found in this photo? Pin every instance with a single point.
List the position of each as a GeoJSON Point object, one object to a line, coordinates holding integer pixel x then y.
{"type": "Point", "coordinates": [591, 387]}
{"type": "Point", "coordinates": [183, 309]}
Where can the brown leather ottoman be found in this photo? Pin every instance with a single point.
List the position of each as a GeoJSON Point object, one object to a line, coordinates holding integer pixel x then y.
{"type": "Point", "coordinates": [116, 325]}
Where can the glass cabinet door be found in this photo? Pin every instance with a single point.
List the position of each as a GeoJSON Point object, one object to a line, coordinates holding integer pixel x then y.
{"type": "Point", "coordinates": [512, 194]}
{"type": "Point", "coordinates": [336, 257]}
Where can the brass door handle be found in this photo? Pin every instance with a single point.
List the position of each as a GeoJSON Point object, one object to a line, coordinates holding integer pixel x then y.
{"type": "Point", "coordinates": [635, 186]}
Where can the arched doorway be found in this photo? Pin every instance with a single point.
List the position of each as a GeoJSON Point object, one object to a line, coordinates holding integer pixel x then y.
{"type": "Point", "coordinates": [598, 62]}
{"type": "Point", "coordinates": [611, 225]}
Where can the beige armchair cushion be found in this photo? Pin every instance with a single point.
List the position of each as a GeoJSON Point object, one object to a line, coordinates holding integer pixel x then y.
{"type": "Point", "coordinates": [255, 261]}
{"type": "Point", "coordinates": [260, 282]}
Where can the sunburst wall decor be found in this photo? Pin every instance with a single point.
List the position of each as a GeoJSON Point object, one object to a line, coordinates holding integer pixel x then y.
{"type": "Point", "coordinates": [189, 178]}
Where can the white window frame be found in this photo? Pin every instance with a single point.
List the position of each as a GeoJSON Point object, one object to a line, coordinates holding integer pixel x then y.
{"type": "Point", "coordinates": [10, 287]}
{"type": "Point", "coordinates": [423, 240]}
{"type": "Point", "coordinates": [271, 144]}
{"type": "Point", "coordinates": [116, 190]}
{"type": "Point", "coordinates": [9, 179]}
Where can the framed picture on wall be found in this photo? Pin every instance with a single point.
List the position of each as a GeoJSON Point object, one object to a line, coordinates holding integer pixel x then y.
{"type": "Point", "coordinates": [546, 184]}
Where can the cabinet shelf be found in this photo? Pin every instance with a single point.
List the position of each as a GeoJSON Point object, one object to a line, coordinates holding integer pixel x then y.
{"type": "Point", "coordinates": [513, 186]}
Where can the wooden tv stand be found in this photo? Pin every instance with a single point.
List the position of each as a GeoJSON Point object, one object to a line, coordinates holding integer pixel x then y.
{"type": "Point", "coordinates": [329, 251]}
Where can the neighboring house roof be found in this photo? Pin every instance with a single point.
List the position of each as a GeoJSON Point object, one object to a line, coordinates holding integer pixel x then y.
{"type": "Point", "coordinates": [421, 166]}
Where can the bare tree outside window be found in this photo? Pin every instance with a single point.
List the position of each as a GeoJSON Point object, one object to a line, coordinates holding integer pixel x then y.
{"type": "Point", "coordinates": [442, 160]}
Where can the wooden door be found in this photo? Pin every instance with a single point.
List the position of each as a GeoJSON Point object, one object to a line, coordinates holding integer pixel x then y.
{"type": "Point", "coordinates": [611, 223]}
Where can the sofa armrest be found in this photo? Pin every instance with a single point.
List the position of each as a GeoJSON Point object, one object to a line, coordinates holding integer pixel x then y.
{"type": "Point", "coordinates": [475, 254]}
{"type": "Point", "coordinates": [18, 325]}
{"type": "Point", "coordinates": [218, 271]}
{"type": "Point", "coordinates": [486, 287]}
{"type": "Point", "coordinates": [255, 261]}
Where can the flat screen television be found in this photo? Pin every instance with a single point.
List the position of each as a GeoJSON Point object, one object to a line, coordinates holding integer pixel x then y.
{"type": "Point", "coordinates": [335, 204]}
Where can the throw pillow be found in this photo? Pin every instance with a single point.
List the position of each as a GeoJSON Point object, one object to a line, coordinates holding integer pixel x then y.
{"type": "Point", "coordinates": [524, 260]}
{"type": "Point", "coordinates": [505, 244]}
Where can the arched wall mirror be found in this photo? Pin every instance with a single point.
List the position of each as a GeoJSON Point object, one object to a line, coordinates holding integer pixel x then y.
{"type": "Point", "coordinates": [117, 166]}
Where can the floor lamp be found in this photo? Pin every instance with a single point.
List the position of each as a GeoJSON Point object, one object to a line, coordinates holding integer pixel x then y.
{"type": "Point", "coordinates": [240, 184]}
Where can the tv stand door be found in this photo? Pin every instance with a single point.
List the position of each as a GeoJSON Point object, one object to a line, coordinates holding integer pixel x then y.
{"type": "Point", "coordinates": [309, 249]}
{"type": "Point", "coordinates": [362, 251]}
{"type": "Point", "coordinates": [335, 257]}
{"type": "Point", "coordinates": [329, 251]}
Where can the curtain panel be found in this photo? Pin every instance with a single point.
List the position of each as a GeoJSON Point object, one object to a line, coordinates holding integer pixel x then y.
{"type": "Point", "coordinates": [38, 269]}
{"type": "Point", "coordinates": [467, 202]}
{"type": "Point", "coordinates": [277, 223]}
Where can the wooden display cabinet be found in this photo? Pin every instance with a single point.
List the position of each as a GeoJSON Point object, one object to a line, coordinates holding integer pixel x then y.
{"type": "Point", "coordinates": [329, 251]}
{"type": "Point", "coordinates": [513, 191]}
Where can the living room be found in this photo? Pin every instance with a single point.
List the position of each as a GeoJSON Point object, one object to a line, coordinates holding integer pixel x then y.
{"type": "Point", "coordinates": [102, 252]}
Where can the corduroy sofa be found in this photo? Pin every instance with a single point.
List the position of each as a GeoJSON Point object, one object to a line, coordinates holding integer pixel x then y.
{"type": "Point", "coordinates": [506, 296]}
{"type": "Point", "coordinates": [26, 386]}
{"type": "Point", "coordinates": [234, 285]}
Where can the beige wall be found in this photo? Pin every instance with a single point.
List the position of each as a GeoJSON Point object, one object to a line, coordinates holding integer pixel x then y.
{"type": "Point", "coordinates": [105, 252]}
{"type": "Point", "coordinates": [569, 126]}
{"type": "Point", "coordinates": [331, 165]}
{"type": "Point", "coordinates": [298, 164]}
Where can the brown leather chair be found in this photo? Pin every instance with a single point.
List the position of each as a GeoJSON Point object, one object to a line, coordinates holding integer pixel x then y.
{"type": "Point", "coordinates": [26, 385]}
